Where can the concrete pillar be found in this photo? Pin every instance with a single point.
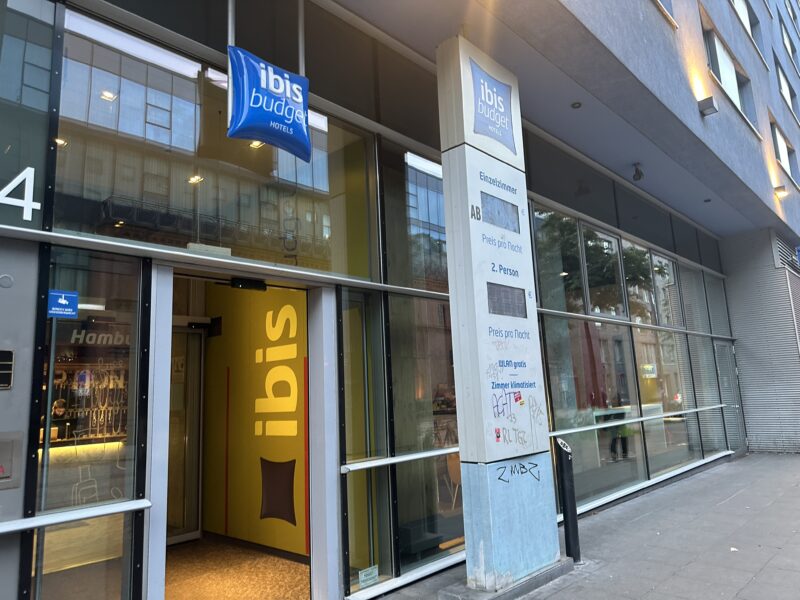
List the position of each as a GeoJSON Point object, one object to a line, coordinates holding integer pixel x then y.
{"type": "Point", "coordinates": [509, 502]}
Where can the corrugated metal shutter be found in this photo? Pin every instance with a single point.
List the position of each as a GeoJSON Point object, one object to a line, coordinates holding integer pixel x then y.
{"type": "Point", "coordinates": [769, 364]}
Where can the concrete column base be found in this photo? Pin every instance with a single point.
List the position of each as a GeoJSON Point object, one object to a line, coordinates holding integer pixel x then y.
{"type": "Point", "coordinates": [460, 591]}
{"type": "Point", "coordinates": [509, 520]}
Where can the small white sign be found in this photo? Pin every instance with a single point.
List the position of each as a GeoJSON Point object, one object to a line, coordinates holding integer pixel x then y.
{"type": "Point", "coordinates": [368, 577]}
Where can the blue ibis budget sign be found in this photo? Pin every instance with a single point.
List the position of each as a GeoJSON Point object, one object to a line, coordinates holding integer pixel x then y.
{"type": "Point", "coordinates": [492, 100]}
{"type": "Point", "coordinates": [63, 305]}
{"type": "Point", "coordinates": [267, 104]}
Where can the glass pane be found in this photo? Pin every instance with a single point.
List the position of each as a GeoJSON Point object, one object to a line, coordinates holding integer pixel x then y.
{"type": "Point", "coordinates": [416, 243]}
{"type": "Point", "coordinates": [717, 305]}
{"type": "Point", "coordinates": [668, 296]}
{"type": "Point", "coordinates": [368, 521]}
{"type": "Point", "coordinates": [603, 272]}
{"type": "Point", "coordinates": [365, 401]}
{"type": "Point", "coordinates": [729, 392]}
{"type": "Point", "coordinates": [26, 39]}
{"type": "Point", "coordinates": [639, 282]}
{"type": "Point", "coordinates": [423, 385]}
{"type": "Point", "coordinates": [558, 262]}
{"type": "Point", "coordinates": [591, 372]}
{"type": "Point", "coordinates": [87, 559]}
{"type": "Point", "coordinates": [87, 439]}
{"type": "Point", "coordinates": [606, 460]}
{"type": "Point", "coordinates": [665, 386]}
{"type": "Point", "coordinates": [183, 511]}
{"type": "Point", "coordinates": [704, 369]}
{"type": "Point", "coordinates": [147, 159]}
{"type": "Point", "coordinates": [694, 300]}
{"type": "Point", "coordinates": [430, 512]}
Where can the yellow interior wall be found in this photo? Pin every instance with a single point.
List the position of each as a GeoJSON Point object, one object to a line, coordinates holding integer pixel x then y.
{"type": "Point", "coordinates": [247, 319]}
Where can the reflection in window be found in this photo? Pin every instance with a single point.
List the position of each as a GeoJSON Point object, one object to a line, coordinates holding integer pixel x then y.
{"type": "Point", "coordinates": [369, 524]}
{"type": "Point", "coordinates": [365, 401]}
{"type": "Point", "coordinates": [591, 372]}
{"type": "Point", "coordinates": [423, 384]}
{"type": "Point", "coordinates": [706, 384]}
{"type": "Point", "coordinates": [88, 559]}
{"type": "Point", "coordinates": [694, 300]}
{"type": "Point", "coordinates": [639, 283]}
{"type": "Point", "coordinates": [603, 272]}
{"type": "Point", "coordinates": [430, 511]}
{"type": "Point", "coordinates": [416, 243]}
{"type": "Point", "coordinates": [146, 157]}
{"type": "Point", "coordinates": [665, 386]}
{"type": "Point", "coordinates": [87, 436]}
{"type": "Point", "coordinates": [558, 262]}
{"type": "Point", "coordinates": [668, 296]}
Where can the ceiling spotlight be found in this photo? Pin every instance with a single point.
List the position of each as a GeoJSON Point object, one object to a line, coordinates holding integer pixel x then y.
{"type": "Point", "coordinates": [61, 142]}
{"type": "Point", "coordinates": [119, 224]}
{"type": "Point", "coordinates": [781, 191]}
{"type": "Point", "coordinates": [256, 144]}
{"type": "Point", "coordinates": [707, 106]}
{"type": "Point", "coordinates": [576, 105]}
{"type": "Point", "coordinates": [638, 174]}
{"type": "Point", "coordinates": [195, 179]}
{"type": "Point", "coordinates": [563, 274]}
{"type": "Point", "coordinates": [108, 96]}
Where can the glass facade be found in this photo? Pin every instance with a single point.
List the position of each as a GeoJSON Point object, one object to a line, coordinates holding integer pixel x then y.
{"type": "Point", "coordinates": [636, 394]}
{"type": "Point", "coordinates": [144, 156]}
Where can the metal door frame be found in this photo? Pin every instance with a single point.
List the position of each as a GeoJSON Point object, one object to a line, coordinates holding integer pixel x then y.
{"type": "Point", "coordinates": [198, 533]}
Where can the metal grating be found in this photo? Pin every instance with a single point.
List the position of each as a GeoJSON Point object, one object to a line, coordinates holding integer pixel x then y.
{"type": "Point", "coordinates": [787, 254]}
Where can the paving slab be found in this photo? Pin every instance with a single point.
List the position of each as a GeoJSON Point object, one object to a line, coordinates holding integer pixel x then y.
{"type": "Point", "coordinates": [730, 532]}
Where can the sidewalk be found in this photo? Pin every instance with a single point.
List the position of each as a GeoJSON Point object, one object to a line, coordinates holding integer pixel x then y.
{"type": "Point", "coordinates": [732, 531]}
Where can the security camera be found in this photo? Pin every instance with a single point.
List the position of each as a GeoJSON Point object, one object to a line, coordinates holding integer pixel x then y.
{"type": "Point", "coordinates": [638, 174]}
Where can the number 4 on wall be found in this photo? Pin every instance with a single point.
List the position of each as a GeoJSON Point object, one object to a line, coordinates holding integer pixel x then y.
{"type": "Point", "coordinates": [26, 202]}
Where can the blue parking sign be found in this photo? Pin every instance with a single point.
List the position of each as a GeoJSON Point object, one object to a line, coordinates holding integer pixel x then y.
{"type": "Point", "coordinates": [62, 304]}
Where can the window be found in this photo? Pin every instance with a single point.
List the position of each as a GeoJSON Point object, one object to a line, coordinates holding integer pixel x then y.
{"type": "Point", "coordinates": [730, 75]}
{"type": "Point", "coordinates": [787, 42]}
{"type": "Point", "coordinates": [416, 241]}
{"type": "Point", "coordinates": [750, 21]}
{"type": "Point", "coordinates": [784, 153]}
{"type": "Point", "coordinates": [88, 435]}
{"type": "Point", "coordinates": [591, 386]}
{"type": "Point", "coordinates": [558, 261]}
{"type": "Point", "coordinates": [639, 282]}
{"type": "Point", "coordinates": [665, 386]}
{"type": "Point", "coordinates": [603, 272]}
{"type": "Point", "coordinates": [668, 296]}
{"type": "Point", "coordinates": [785, 88]}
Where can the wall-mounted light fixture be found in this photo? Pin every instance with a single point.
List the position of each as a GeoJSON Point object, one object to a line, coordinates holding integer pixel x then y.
{"type": "Point", "coordinates": [781, 191]}
{"type": "Point", "coordinates": [194, 179]}
{"type": "Point", "coordinates": [707, 106]}
{"type": "Point", "coordinates": [638, 174]}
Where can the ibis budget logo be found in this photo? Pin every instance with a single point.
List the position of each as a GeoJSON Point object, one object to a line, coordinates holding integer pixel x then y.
{"type": "Point", "coordinates": [267, 104]}
{"type": "Point", "coordinates": [492, 100]}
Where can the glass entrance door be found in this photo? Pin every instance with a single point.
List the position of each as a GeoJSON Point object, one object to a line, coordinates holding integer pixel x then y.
{"type": "Point", "coordinates": [730, 396]}
{"type": "Point", "coordinates": [186, 384]}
